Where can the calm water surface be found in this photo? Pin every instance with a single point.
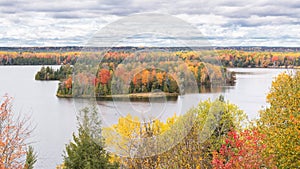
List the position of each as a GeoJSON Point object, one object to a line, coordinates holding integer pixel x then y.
{"type": "Point", "coordinates": [55, 119]}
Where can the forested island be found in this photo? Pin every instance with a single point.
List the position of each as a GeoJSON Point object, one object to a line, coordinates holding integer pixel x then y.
{"type": "Point", "coordinates": [124, 73]}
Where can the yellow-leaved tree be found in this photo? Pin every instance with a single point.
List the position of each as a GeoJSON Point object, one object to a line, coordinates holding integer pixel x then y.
{"type": "Point", "coordinates": [281, 121]}
{"type": "Point", "coordinates": [171, 146]}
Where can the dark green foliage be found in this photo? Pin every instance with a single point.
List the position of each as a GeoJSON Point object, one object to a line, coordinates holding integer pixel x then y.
{"type": "Point", "coordinates": [31, 158]}
{"type": "Point", "coordinates": [31, 61]}
{"type": "Point", "coordinates": [86, 151]}
{"type": "Point", "coordinates": [48, 73]}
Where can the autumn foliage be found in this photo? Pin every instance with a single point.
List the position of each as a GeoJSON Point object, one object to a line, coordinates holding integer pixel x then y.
{"type": "Point", "coordinates": [194, 150]}
{"type": "Point", "coordinates": [68, 83]}
{"type": "Point", "coordinates": [104, 76]}
{"type": "Point", "coordinates": [242, 150]}
{"type": "Point", "coordinates": [271, 143]}
{"type": "Point", "coordinates": [281, 121]}
{"type": "Point", "coordinates": [13, 134]}
{"type": "Point", "coordinates": [239, 58]}
{"type": "Point", "coordinates": [126, 72]}
{"type": "Point", "coordinates": [37, 58]}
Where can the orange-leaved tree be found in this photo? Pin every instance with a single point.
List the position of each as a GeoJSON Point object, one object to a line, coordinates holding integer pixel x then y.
{"type": "Point", "coordinates": [14, 131]}
{"type": "Point", "coordinates": [104, 76]}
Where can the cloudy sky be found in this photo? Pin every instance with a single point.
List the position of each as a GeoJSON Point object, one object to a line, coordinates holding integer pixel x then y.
{"type": "Point", "coordinates": [222, 22]}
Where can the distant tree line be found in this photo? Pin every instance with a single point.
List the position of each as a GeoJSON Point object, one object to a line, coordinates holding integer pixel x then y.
{"type": "Point", "coordinates": [228, 57]}
{"type": "Point", "coordinates": [37, 58]}
{"type": "Point", "coordinates": [235, 58]}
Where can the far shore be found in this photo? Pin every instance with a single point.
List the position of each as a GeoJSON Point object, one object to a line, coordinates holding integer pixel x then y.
{"type": "Point", "coordinates": [267, 67]}
{"type": "Point", "coordinates": [123, 96]}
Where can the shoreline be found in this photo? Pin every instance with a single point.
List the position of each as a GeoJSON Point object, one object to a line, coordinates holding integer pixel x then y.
{"type": "Point", "coordinates": [124, 96]}
{"type": "Point", "coordinates": [268, 67]}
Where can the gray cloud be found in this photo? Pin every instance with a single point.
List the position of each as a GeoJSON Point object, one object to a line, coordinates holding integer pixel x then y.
{"type": "Point", "coordinates": [226, 22]}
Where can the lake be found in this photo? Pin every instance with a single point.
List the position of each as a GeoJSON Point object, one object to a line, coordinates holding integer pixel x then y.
{"type": "Point", "coordinates": [55, 118]}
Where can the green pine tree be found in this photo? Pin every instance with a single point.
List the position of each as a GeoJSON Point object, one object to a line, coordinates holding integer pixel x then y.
{"type": "Point", "coordinates": [31, 158]}
{"type": "Point", "coordinates": [86, 151]}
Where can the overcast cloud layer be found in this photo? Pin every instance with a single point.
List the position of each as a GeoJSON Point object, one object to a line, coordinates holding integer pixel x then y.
{"type": "Point", "coordinates": [222, 22]}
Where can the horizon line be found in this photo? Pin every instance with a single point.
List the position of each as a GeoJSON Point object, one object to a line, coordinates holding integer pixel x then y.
{"type": "Point", "coordinates": [229, 46]}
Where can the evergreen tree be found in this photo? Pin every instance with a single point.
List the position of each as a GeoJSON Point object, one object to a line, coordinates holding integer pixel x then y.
{"type": "Point", "coordinates": [31, 158]}
{"type": "Point", "coordinates": [86, 151]}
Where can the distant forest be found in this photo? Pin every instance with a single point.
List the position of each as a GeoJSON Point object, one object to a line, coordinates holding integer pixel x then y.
{"type": "Point", "coordinates": [229, 56]}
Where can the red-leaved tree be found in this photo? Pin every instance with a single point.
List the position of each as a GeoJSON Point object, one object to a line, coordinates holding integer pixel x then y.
{"type": "Point", "coordinates": [242, 150]}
